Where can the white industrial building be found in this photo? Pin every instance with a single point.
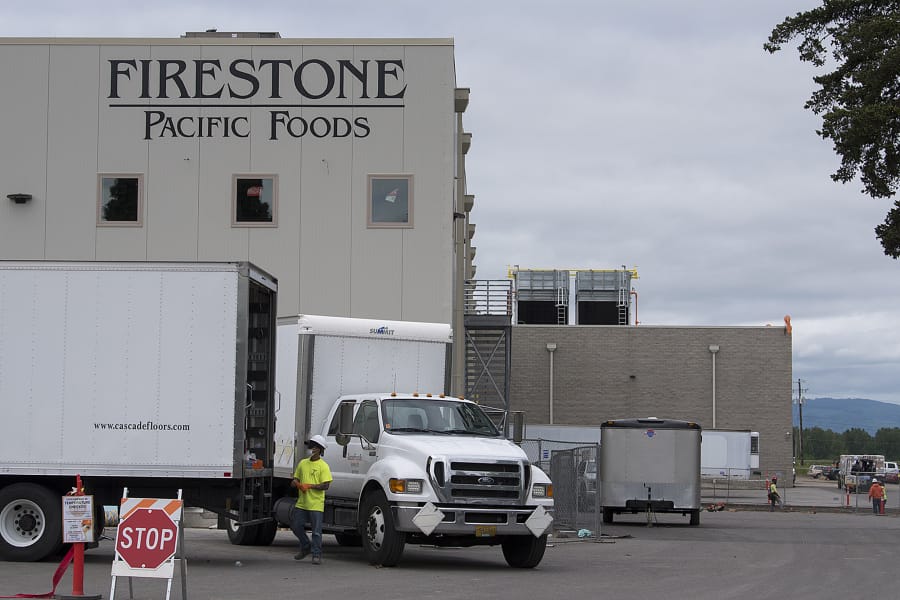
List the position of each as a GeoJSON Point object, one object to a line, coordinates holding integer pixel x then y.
{"type": "Point", "coordinates": [336, 165]}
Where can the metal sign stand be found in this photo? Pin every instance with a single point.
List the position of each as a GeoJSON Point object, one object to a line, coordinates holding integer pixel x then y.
{"type": "Point", "coordinates": [120, 568]}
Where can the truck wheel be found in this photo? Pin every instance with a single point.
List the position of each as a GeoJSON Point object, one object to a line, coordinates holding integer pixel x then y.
{"type": "Point", "coordinates": [607, 515]}
{"type": "Point", "coordinates": [265, 534]}
{"type": "Point", "coordinates": [695, 517]}
{"type": "Point", "coordinates": [382, 543]}
{"type": "Point", "coordinates": [524, 551]}
{"type": "Point", "coordinates": [348, 539]}
{"type": "Point", "coordinates": [30, 522]}
{"type": "Point", "coordinates": [242, 535]}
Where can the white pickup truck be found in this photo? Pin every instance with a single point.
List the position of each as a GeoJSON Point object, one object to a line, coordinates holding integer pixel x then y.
{"type": "Point", "coordinates": [891, 472]}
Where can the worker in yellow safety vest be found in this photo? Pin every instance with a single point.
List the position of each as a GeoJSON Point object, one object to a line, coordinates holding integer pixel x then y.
{"type": "Point", "coordinates": [774, 496]}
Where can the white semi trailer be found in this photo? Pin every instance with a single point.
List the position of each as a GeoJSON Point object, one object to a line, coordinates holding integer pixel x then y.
{"type": "Point", "coordinates": [410, 464]}
{"type": "Point", "coordinates": [151, 376]}
{"type": "Point", "coordinates": [729, 454]}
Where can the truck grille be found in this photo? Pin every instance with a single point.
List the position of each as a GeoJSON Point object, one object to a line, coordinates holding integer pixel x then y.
{"type": "Point", "coordinates": [480, 482]}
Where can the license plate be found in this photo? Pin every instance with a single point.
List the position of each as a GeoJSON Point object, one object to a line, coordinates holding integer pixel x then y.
{"type": "Point", "coordinates": [485, 530]}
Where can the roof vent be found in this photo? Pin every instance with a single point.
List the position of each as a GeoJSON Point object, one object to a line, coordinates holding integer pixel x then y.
{"type": "Point", "coordinates": [213, 33]}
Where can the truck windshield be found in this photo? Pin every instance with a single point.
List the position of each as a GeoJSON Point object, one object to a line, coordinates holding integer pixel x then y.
{"type": "Point", "coordinates": [440, 416]}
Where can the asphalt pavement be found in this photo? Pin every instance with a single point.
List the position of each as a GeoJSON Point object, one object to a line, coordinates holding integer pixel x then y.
{"type": "Point", "coordinates": [731, 555]}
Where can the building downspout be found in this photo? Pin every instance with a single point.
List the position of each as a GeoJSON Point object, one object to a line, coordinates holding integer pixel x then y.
{"type": "Point", "coordinates": [713, 349]}
{"type": "Point", "coordinates": [551, 348]}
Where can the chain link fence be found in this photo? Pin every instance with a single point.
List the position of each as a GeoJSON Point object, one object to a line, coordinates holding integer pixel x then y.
{"type": "Point", "coordinates": [573, 469]}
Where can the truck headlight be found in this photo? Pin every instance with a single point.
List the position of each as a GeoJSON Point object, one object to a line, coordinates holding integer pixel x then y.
{"type": "Point", "coordinates": [406, 486]}
{"type": "Point", "coordinates": [542, 490]}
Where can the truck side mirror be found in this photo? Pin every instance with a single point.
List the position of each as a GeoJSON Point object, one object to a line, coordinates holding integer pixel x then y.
{"type": "Point", "coordinates": [518, 425]}
{"type": "Point", "coordinates": [345, 423]}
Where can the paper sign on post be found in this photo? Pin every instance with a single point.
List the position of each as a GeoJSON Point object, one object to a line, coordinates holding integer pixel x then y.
{"type": "Point", "coordinates": [78, 519]}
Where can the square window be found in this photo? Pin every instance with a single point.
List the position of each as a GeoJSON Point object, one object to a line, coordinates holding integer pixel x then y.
{"type": "Point", "coordinates": [390, 201]}
{"type": "Point", "coordinates": [255, 201]}
{"type": "Point", "coordinates": [120, 200]}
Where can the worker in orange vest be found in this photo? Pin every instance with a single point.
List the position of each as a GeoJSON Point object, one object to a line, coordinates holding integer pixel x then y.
{"type": "Point", "coordinates": [875, 494]}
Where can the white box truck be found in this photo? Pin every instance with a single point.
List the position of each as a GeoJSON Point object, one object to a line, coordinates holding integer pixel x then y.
{"type": "Point", "coordinates": [729, 454]}
{"type": "Point", "coordinates": [858, 470]}
{"type": "Point", "coordinates": [650, 465]}
{"type": "Point", "coordinates": [410, 464]}
{"type": "Point", "coordinates": [151, 376]}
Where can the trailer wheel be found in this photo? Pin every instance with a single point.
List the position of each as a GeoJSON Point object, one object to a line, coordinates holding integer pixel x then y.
{"type": "Point", "coordinates": [695, 517]}
{"type": "Point", "coordinates": [524, 552]}
{"type": "Point", "coordinates": [348, 539]}
{"type": "Point", "coordinates": [382, 543]}
{"type": "Point", "coordinates": [30, 522]}
{"type": "Point", "coordinates": [607, 515]}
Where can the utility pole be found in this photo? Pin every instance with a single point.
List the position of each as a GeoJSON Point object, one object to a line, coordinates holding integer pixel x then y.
{"type": "Point", "coordinates": [800, 431]}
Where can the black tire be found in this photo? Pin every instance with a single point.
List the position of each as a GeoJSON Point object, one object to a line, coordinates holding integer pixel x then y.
{"type": "Point", "coordinates": [382, 543]}
{"type": "Point", "coordinates": [30, 522]}
{"type": "Point", "coordinates": [695, 517]}
{"type": "Point", "coordinates": [266, 533]}
{"type": "Point", "coordinates": [99, 524]}
{"type": "Point", "coordinates": [607, 515]}
{"type": "Point", "coordinates": [348, 539]}
{"type": "Point", "coordinates": [242, 535]}
{"type": "Point", "coordinates": [524, 551]}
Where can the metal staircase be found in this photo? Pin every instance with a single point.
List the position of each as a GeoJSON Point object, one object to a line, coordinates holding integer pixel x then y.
{"type": "Point", "coordinates": [488, 325]}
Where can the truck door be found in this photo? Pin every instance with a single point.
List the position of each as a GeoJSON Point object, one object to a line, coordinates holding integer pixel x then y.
{"type": "Point", "coordinates": [349, 468]}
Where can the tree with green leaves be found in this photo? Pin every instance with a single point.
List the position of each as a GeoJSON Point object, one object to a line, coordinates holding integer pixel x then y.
{"type": "Point", "coordinates": [822, 443]}
{"type": "Point", "coordinates": [858, 441]}
{"type": "Point", "coordinates": [859, 100]}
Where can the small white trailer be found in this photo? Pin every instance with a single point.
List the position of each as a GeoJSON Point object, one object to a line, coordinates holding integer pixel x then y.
{"type": "Point", "coordinates": [650, 465]}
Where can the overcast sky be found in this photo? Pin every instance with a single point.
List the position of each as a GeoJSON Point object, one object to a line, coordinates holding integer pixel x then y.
{"type": "Point", "coordinates": [650, 133]}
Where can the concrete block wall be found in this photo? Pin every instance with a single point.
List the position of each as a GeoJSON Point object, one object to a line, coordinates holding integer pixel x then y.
{"type": "Point", "coordinates": [611, 372]}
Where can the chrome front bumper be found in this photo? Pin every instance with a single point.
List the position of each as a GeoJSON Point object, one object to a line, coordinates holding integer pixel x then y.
{"type": "Point", "coordinates": [475, 520]}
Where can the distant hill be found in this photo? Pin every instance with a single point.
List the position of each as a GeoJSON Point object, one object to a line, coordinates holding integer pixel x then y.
{"type": "Point", "coordinates": [841, 414]}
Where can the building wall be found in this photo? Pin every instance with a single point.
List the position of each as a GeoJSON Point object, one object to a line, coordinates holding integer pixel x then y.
{"type": "Point", "coordinates": [608, 372]}
{"type": "Point", "coordinates": [68, 128]}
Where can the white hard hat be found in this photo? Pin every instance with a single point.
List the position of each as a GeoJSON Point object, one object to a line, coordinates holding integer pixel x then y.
{"type": "Point", "coordinates": [318, 440]}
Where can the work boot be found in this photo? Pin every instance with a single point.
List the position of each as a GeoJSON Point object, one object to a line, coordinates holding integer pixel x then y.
{"type": "Point", "coordinates": [302, 554]}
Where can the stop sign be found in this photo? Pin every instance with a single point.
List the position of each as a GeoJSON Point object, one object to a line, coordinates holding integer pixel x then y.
{"type": "Point", "coordinates": [146, 538]}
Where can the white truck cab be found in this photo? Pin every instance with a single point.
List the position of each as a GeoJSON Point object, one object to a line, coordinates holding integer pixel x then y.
{"type": "Point", "coordinates": [430, 467]}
